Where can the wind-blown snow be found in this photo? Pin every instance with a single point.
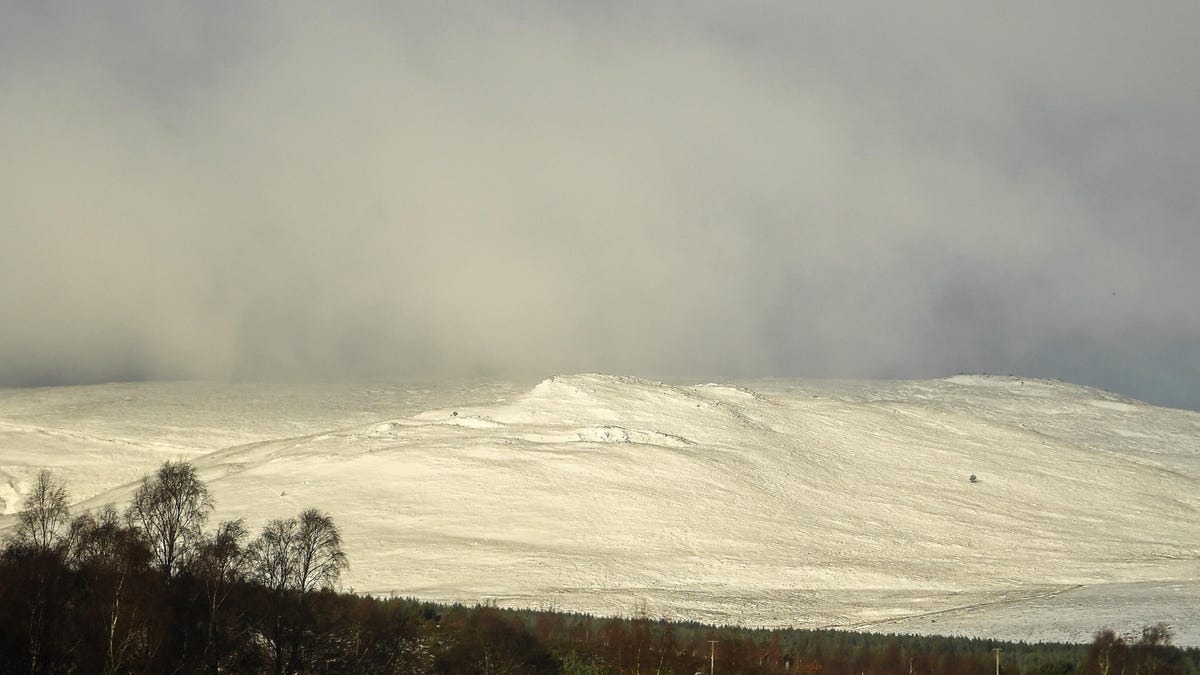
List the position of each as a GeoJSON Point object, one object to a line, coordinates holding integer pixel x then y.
{"type": "Point", "coordinates": [777, 502]}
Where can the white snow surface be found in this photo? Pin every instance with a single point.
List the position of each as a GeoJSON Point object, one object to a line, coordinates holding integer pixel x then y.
{"type": "Point", "coordinates": [762, 503]}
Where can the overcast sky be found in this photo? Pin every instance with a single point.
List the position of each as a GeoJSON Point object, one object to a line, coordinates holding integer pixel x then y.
{"type": "Point", "coordinates": [239, 189]}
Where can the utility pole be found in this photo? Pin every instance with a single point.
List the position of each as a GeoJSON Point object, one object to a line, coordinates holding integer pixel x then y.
{"type": "Point", "coordinates": [712, 657]}
{"type": "Point", "coordinates": [997, 650]}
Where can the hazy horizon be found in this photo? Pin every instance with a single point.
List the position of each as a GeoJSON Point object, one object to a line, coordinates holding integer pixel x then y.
{"type": "Point", "coordinates": [250, 191]}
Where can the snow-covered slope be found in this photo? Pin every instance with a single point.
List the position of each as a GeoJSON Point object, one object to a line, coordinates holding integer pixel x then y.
{"type": "Point", "coordinates": [767, 503]}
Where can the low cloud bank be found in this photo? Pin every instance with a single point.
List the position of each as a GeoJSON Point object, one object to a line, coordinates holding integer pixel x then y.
{"type": "Point", "coordinates": [258, 190]}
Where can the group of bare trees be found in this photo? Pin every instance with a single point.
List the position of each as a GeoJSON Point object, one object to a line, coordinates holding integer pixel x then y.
{"type": "Point", "coordinates": [170, 509]}
{"type": "Point", "coordinates": [126, 566]}
{"type": "Point", "coordinates": [1147, 652]}
{"type": "Point", "coordinates": [151, 589]}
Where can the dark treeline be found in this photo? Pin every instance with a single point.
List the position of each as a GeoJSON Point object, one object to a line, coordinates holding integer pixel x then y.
{"type": "Point", "coordinates": [149, 590]}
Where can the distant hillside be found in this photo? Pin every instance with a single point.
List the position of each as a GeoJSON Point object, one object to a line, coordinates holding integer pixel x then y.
{"type": "Point", "coordinates": [763, 503]}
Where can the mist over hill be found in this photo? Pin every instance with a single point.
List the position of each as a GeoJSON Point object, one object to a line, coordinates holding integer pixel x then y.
{"type": "Point", "coordinates": [765, 502]}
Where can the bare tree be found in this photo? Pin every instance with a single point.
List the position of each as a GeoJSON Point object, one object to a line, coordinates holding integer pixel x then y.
{"type": "Point", "coordinates": [222, 557]}
{"type": "Point", "coordinates": [44, 515]}
{"type": "Point", "coordinates": [272, 561]}
{"type": "Point", "coordinates": [319, 557]}
{"type": "Point", "coordinates": [42, 528]}
{"type": "Point", "coordinates": [299, 554]}
{"type": "Point", "coordinates": [220, 561]}
{"type": "Point", "coordinates": [171, 510]}
{"type": "Point", "coordinates": [1107, 648]}
{"type": "Point", "coordinates": [112, 556]}
{"type": "Point", "coordinates": [272, 555]}
{"type": "Point", "coordinates": [1158, 635]}
{"type": "Point", "coordinates": [100, 537]}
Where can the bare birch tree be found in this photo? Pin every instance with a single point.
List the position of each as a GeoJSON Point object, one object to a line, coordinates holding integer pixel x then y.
{"type": "Point", "coordinates": [319, 557]}
{"type": "Point", "coordinates": [272, 555]}
{"type": "Point", "coordinates": [171, 510]}
{"type": "Point", "coordinates": [220, 561]}
{"type": "Point", "coordinates": [293, 557]}
{"type": "Point", "coordinates": [299, 554]}
{"type": "Point", "coordinates": [43, 519]}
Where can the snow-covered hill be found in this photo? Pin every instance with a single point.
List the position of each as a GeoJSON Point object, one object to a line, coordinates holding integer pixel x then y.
{"type": "Point", "coordinates": [771, 502]}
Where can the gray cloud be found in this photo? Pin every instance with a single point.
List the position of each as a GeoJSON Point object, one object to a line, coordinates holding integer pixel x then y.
{"type": "Point", "coordinates": [287, 189]}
